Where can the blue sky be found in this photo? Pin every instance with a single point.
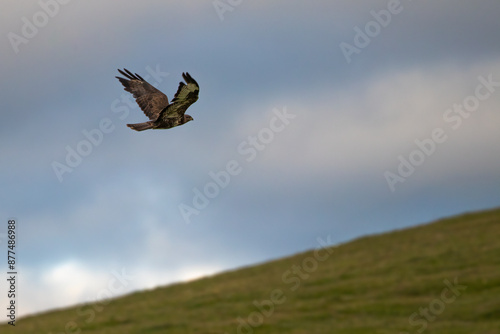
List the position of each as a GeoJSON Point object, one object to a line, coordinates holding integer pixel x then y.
{"type": "Point", "coordinates": [321, 119]}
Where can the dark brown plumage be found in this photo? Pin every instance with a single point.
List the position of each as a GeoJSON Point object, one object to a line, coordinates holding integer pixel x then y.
{"type": "Point", "coordinates": [162, 115]}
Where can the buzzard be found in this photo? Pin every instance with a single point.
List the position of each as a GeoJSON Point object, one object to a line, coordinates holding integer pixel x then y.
{"type": "Point", "coordinates": [162, 115]}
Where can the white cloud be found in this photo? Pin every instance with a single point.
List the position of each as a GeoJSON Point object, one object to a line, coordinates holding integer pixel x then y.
{"type": "Point", "coordinates": [72, 282]}
{"type": "Point", "coordinates": [60, 285]}
{"type": "Point", "coordinates": [364, 128]}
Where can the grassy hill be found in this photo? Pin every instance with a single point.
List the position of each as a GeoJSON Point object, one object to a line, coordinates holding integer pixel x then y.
{"type": "Point", "coordinates": [442, 277]}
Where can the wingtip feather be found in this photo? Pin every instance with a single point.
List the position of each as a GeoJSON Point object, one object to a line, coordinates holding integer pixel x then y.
{"type": "Point", "coordinates": [130, 76]}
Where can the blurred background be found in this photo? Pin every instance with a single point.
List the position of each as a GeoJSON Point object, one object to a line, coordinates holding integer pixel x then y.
{"type": "Point", "coordinates": [388, 117]}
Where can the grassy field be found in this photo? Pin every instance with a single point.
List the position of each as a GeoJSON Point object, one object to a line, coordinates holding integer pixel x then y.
{"type": "Point", "coordinates": [443, 277]}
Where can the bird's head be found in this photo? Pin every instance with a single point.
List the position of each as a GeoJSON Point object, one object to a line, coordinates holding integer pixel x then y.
{"type": "Point", "coordinates": [188, 118]}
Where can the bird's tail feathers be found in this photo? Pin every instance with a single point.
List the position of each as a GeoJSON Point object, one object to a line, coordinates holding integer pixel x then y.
{"type": "Point", "coordinates": [141, 126]}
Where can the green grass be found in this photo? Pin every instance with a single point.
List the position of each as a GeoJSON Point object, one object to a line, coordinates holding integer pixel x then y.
{"type": "Point", "coordinates": [370, 285]}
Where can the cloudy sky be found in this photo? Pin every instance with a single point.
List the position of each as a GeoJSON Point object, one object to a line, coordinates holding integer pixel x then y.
{"type": "Point", "coordinates": [317, 119]}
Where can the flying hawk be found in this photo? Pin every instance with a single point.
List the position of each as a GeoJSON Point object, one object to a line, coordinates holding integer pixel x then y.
{"type": "Point", "coordinates": [162, 115]}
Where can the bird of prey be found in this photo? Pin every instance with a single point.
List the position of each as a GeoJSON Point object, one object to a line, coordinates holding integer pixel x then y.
{"type": "Point", "coordinates": [162, 115]}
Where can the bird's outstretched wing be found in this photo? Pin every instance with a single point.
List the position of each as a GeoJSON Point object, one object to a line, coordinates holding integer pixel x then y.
{"type": "Point", "coordinates": [186, 95]}
{"type": "Point", "coordinates": [150, 99]}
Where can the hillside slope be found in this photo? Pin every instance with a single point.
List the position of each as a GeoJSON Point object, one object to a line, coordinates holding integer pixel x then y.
{"type": "Point", "coordinates": [442, 277]}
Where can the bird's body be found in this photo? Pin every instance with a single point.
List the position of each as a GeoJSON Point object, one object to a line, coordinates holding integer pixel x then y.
{"type": "Point", "coordinates": [162, 114]}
